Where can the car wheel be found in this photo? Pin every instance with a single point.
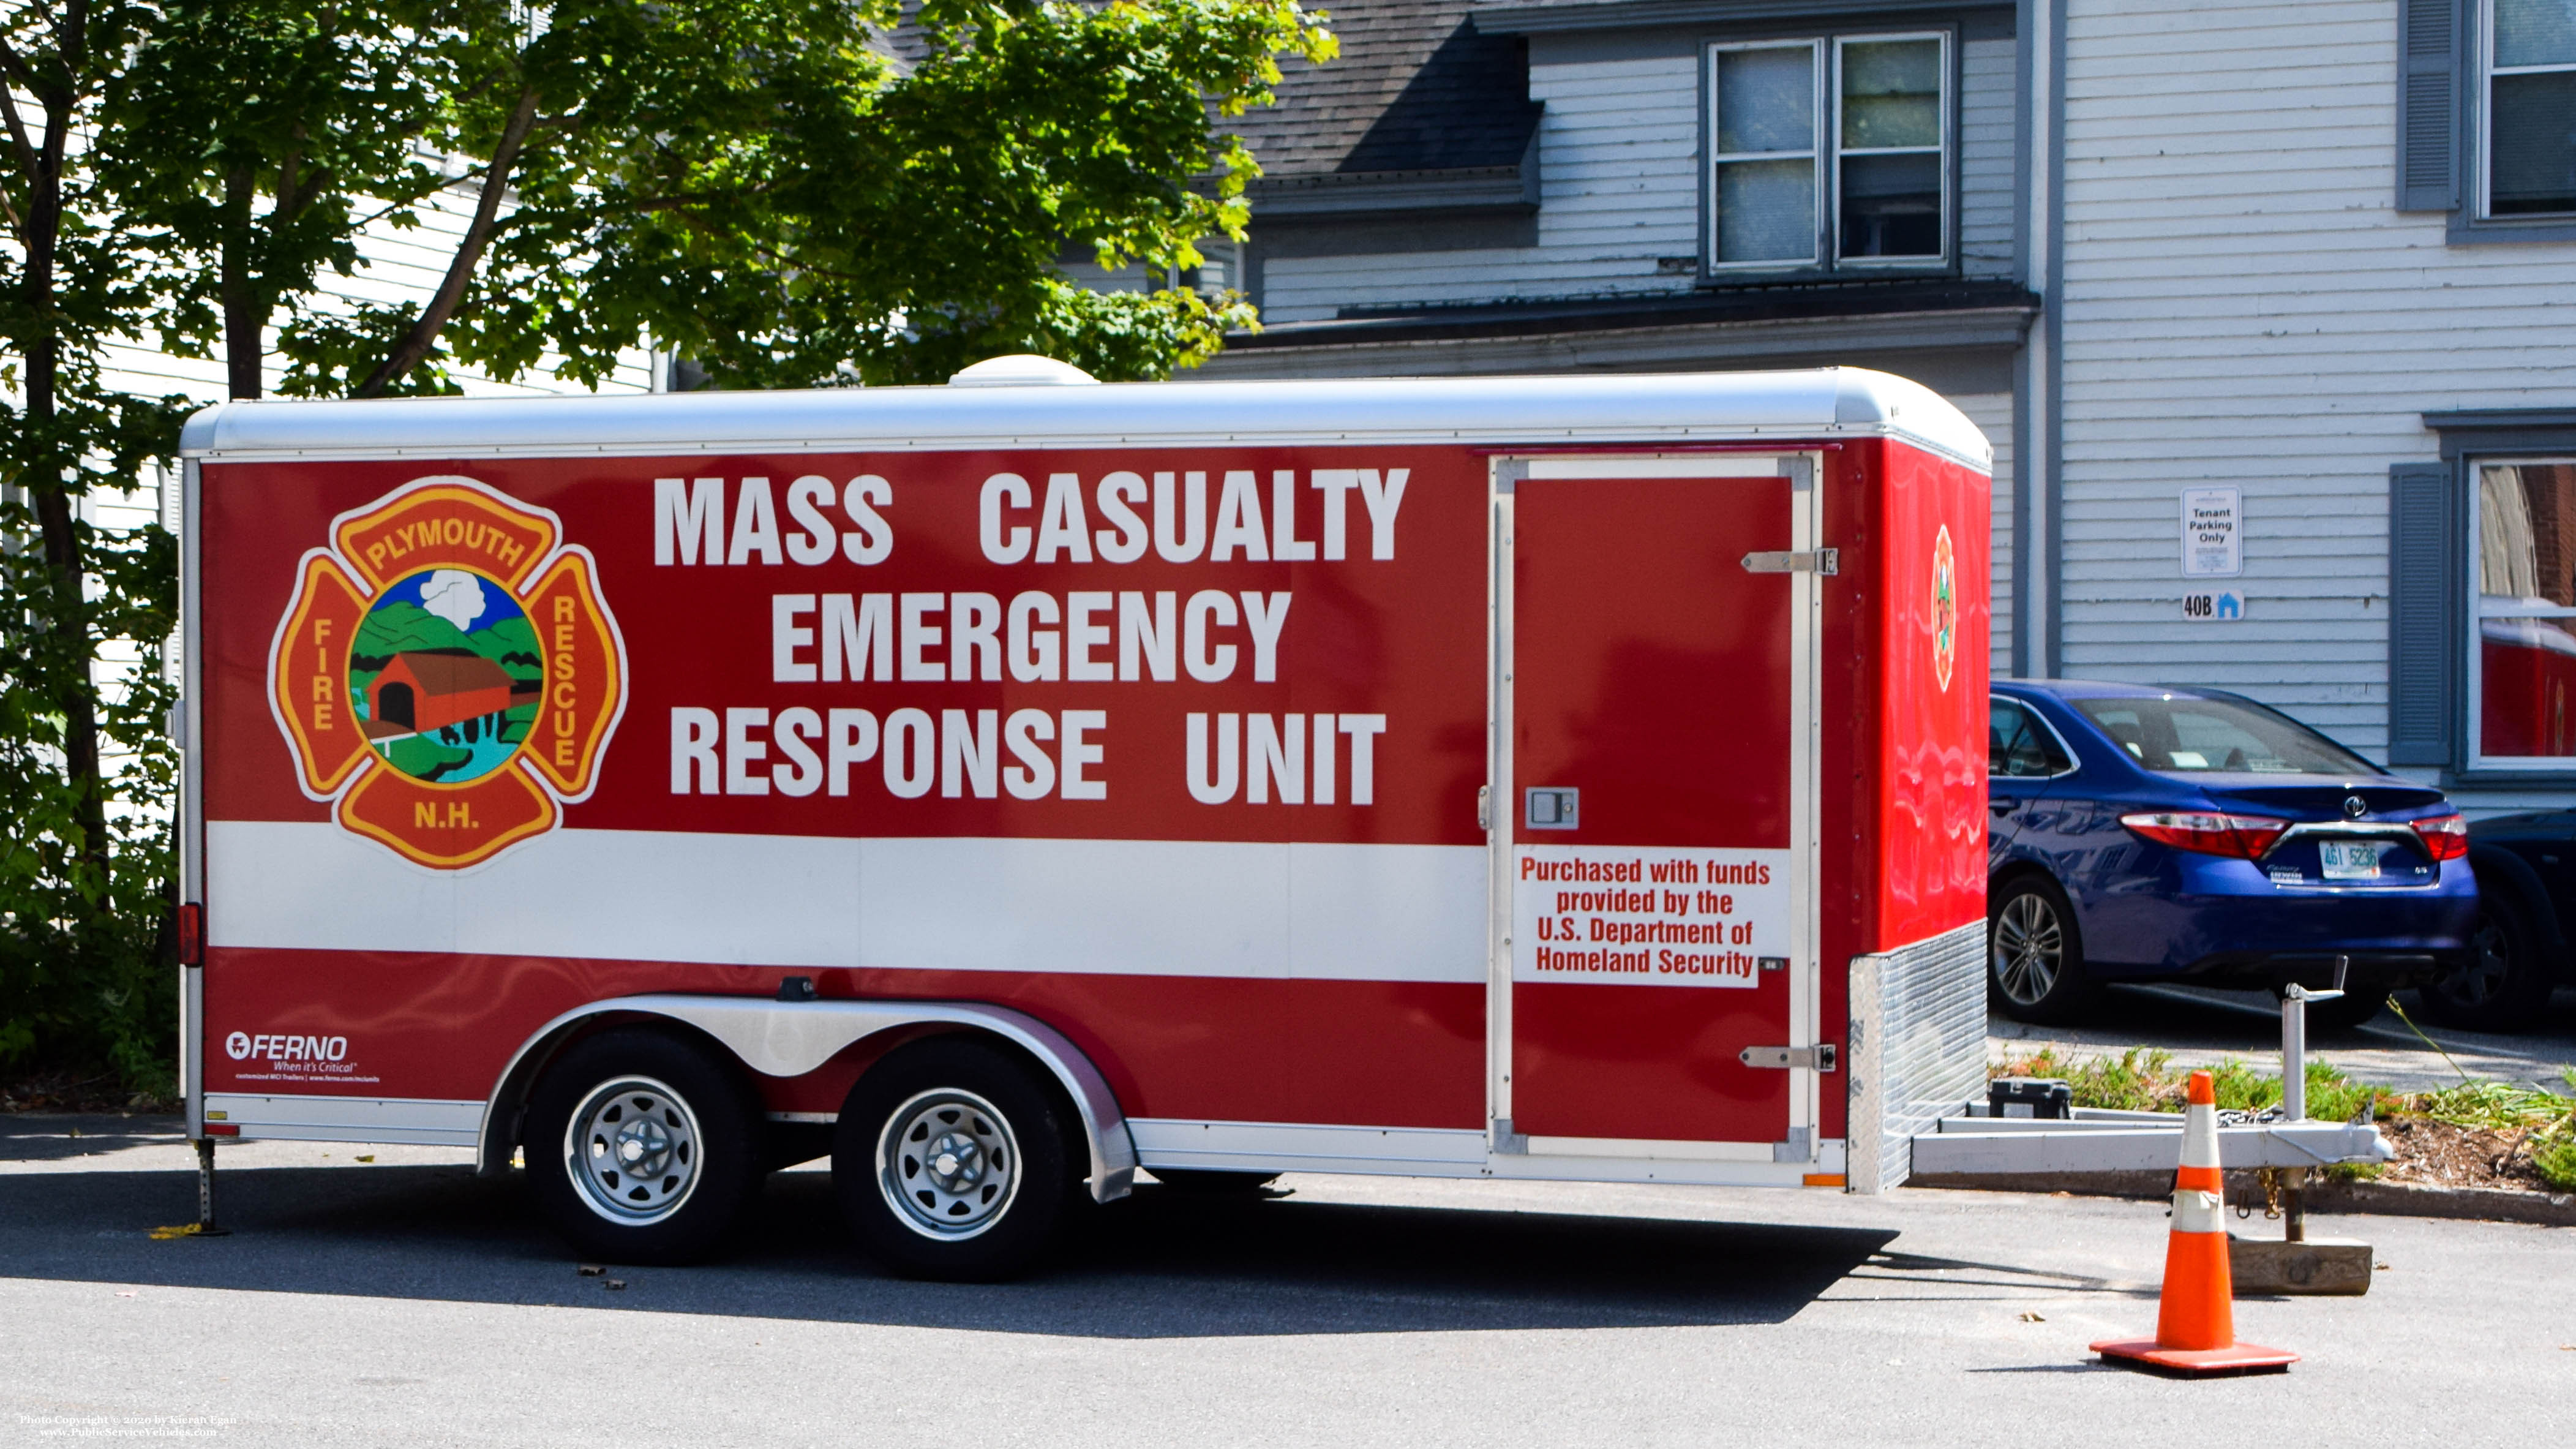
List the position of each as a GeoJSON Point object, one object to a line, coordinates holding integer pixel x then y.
{"type": "Point", "coordinates": [642, 1148]}
{"type": "Point", "coordinates": [953, 1160]}
{"type": "Point", "coordinates": [2357, 1005]}
{"type": "Point", "coordinates": [2035, 954]}
{"type": "Point", "coordinates": [2503, 984]}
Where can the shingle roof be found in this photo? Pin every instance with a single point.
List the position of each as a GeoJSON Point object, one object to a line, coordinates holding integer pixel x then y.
{"type": "Point", "coordinates": [1539, 317]}
{"type": "Point", "coordinates": [1416, 87]}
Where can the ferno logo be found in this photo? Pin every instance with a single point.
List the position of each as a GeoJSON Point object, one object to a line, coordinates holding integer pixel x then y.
{"type": "Point", "coordinates": [1945, 607]}
{"type": "Point", "coordinates": [241, 1046]}
{"type": "Point", "coordinates": [448, 675]}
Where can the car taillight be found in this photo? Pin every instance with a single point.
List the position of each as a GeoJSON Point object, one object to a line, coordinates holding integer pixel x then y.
{"type": "Point", "coordinates": [2445, 837]}
{"type": "Point", "coordinates": [2244, 836]}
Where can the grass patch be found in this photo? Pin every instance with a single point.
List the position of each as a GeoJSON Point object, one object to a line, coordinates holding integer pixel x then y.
{"type": "Point", "coordinates": [2145, 1079]}
{"type": "Point", "coordinates": [2556, 1160]}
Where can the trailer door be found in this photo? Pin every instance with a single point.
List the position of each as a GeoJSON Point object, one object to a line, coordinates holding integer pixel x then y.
{"type": "Point", "coordinates": [1655, 967]}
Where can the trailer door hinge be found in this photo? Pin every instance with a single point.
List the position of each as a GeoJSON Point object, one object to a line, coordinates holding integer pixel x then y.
{"type": "Point", "coordinates": [1484, 807]}
{"type": "Point", "coordinates": [1818, 1058]}
{"type": "Point", "coordinates": [1800, 561]}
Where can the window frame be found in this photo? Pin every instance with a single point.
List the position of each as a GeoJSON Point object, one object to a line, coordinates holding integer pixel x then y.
{"type": "Point", "coordinates": [2484, 70]}
{"type": "Point", "coordinates": [1945, 151]}
{"type": "Point", "coordinates": [2475, 615]}
{"type": "Point", "coordinates": [1825, 258]}
{"type": "Point", "coordinates": [2030, 711]}
{"type": "Point", "coordinates": [1820, 72]}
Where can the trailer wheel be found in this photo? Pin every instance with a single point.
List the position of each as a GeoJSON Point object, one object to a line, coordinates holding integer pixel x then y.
{"type": "Point", "coordinates": [953, 1160]}
{"type": "Point", "coordinates": [642, 1148]}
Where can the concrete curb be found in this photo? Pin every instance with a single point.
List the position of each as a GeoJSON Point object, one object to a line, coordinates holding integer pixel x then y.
{"type": "Point", "coordinates": [2489, 1204]}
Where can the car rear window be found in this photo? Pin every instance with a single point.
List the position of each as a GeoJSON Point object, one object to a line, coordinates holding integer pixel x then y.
{"type": "Point", "coordinates": [2186, 736]}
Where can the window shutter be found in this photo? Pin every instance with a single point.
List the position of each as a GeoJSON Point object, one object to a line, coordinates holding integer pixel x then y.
{"type": "Point", "coordinates": [2428, 105]}
{"type": "Point", "coordinates": [2426, 623]}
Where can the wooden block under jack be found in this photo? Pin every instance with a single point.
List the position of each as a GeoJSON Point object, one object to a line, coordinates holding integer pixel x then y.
{"type": "Point", "coordinates": [2314, 1266]}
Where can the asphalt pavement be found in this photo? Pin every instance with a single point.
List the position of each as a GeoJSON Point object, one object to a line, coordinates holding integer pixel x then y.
{"type": "Point", "coordinates": [402, 1301]}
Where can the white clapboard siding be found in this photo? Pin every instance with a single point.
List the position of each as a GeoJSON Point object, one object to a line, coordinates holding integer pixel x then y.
{"type": "Point", "coordinates": [1993, 413]}
{"type": "Point", "coordinates": [2243, 305]}
{"type": "Point", "coordinates": [400, 265]}
{"type": "Point", "coordinates": [1619, 189]}
{"type": "Point", "coordinates": [1986, 195]}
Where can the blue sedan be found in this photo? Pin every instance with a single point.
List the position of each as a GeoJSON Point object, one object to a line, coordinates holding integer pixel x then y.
{"type": "Point", "coordinates": [2151, 834]}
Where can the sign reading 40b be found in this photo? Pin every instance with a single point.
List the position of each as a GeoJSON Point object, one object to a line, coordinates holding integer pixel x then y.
{"type": "Point", "coordinates": [448, 675]}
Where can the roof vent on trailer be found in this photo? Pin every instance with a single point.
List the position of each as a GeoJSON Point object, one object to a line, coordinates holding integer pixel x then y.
{"type": "Point", "coordinates": [1022, 369]}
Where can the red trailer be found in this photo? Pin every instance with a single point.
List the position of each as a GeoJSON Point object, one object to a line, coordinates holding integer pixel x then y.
{"type": "Point", "coordinates": [1006, 787]}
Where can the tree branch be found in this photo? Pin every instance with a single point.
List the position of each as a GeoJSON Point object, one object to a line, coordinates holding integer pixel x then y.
{"type": "Point", "coordinates": [73, 38]}
{"type": "Point", "coordinates": [416, 343]}
{"type": "Point", "coordinates": [18, 142]}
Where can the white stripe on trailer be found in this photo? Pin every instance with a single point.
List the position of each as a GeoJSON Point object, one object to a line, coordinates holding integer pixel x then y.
{"type": "Point", "coordinates": [1445, 1152]}
{"type": "Point", "coordinates": [415, 1120]}
{"type": "Point", "coordinates": [1128, 907]}
{"type": "Point", "coordinates": [1306, 1147]}
{"type": "Point", "coordinates": [1645, 1149]}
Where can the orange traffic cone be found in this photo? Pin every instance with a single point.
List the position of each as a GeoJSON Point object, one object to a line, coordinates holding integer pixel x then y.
{"type": "Point", "coordinates": [2195, 1315]}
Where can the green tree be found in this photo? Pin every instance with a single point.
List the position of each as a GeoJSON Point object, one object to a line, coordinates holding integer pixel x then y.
{"type": "Point", "coordinates": [791, 192]}
{"type": "Point", "coordinates": [81, 883]}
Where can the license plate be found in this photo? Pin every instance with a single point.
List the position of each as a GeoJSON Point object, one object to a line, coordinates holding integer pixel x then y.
{"type": "Point", "coordinates": [2349, 860]}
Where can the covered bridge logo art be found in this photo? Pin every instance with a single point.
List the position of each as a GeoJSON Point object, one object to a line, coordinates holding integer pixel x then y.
{"type": "Point", "coordinates": [448, 675]}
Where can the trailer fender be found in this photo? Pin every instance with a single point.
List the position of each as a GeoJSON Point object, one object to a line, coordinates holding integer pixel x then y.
{"type": "Point", "coordinates": [789, 1039]}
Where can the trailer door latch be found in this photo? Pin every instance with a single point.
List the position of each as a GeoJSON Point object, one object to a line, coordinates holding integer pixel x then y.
{"type": "Point", "coordinates": [1817, 1058]}
{"type": "Point", "coordinates": [1799, 561]}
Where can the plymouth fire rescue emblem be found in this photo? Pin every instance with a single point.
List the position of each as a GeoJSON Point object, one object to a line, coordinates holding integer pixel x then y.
{"type": "Point", "coordinates": [447, 675]}
{"type": "Point", "coordinates": [1945, 607]}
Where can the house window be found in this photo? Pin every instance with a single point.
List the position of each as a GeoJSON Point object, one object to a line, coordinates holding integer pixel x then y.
{"type": "Point", "coordinates": [2530, 108]}
{"type": "Point", "coordinates": [2522, 670]}
{"type": "Point", "coordinates": [1830, 153]}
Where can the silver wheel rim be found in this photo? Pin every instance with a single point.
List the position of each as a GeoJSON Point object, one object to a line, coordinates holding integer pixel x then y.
{"type": "Point", "coordinates": [948, 1164]}
{"type": "Point", "coordinates": [2029, 948]}
{"type": "Point", "coordinates": [633, 1149]}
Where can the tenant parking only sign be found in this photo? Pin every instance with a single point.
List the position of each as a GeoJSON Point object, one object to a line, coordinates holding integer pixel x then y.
{"type": "Point", "coordinates": [2212, 533]}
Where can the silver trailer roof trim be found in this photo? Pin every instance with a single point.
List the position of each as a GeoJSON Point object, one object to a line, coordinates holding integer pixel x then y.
{"type": "Point", "coordinates": [1500, 412]}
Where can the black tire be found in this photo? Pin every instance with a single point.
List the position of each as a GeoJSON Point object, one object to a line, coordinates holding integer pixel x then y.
{"type": "Point", "coordinates": [2358, 1004]}
{"type": "Point", "coordinates": [2504, 984]}
{"type": "Point", "coordinates": [635, 1096]}
{"type": "Point", "coordinates": [1206, 1182]}
{"type": "Point", "coordinates": [994, 1199]}
{"type": "Point", "coordinates": [2035, 953]}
